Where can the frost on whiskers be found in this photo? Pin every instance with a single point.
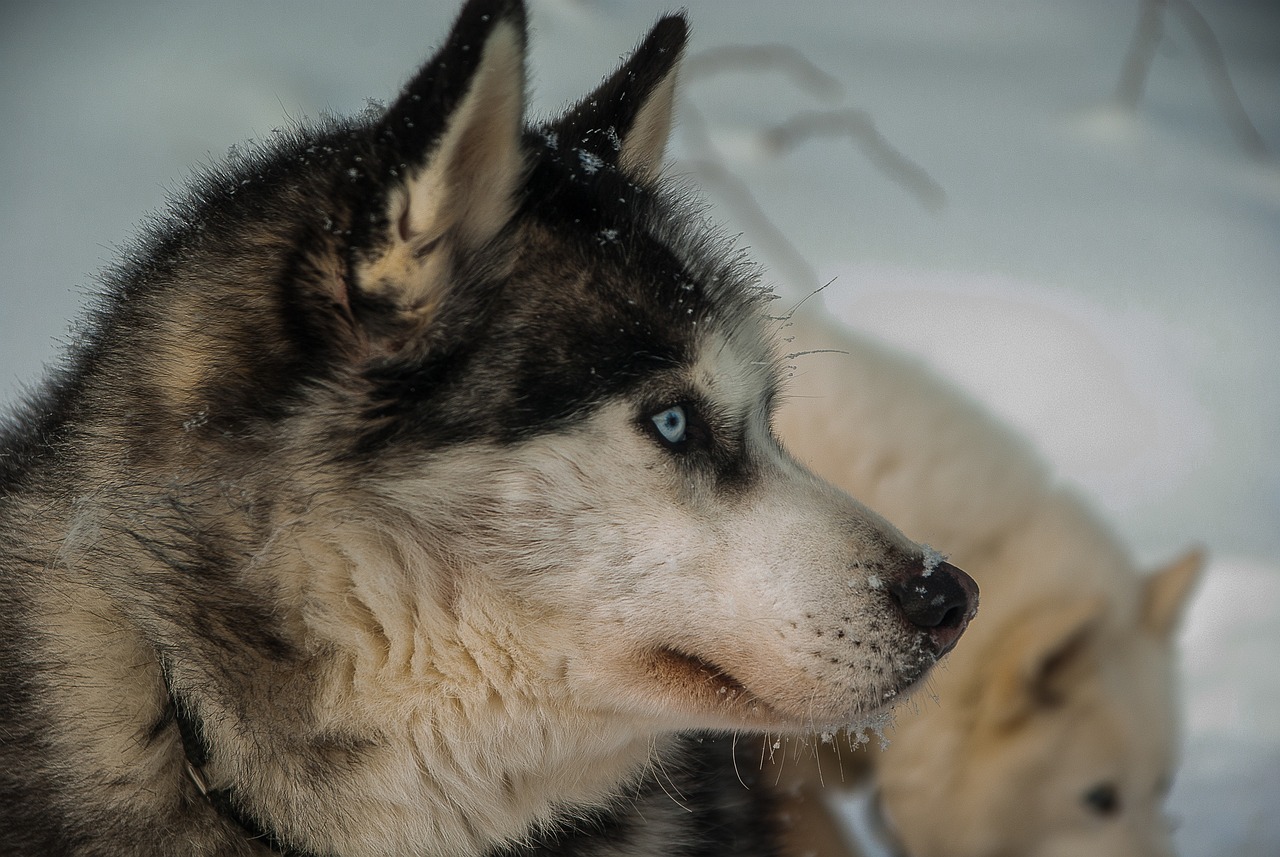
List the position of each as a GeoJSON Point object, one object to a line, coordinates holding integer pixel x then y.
{"type": "Point", "coordinates": [858, 736]}
{"type": "Point", "coordinates": [776, 747]}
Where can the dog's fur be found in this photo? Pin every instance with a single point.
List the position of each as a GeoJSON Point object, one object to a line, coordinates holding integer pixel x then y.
{"type": "Point", "coordinates": [351, 529]}
{"type": "Point", "coordinates": [1054, 731]}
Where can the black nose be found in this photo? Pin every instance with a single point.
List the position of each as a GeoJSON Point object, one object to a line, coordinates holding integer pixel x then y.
{"type": "Point", "coordinates": [940, 600]}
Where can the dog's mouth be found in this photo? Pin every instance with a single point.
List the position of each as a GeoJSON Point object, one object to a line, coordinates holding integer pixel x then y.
{"type": "Point", "coordinates": [702, 686]}
{"type": "Point", "coordinates": [699, 680]}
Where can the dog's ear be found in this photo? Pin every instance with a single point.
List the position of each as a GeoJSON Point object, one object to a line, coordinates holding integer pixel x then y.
{"type": "Point", "coordinates": [626, 121]}
{"type": "Point", "coordinates": [452, 145]}
{"type": "Point", "coordinates": [1038, 657]}
{"type": "Point", "coordinates": [1166, 591]}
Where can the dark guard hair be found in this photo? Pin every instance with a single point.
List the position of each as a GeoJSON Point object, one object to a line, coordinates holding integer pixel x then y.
{"type": "Point", "coordinates": [432, 276]}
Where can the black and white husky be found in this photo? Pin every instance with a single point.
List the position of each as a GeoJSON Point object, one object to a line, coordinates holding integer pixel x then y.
{"type": "Point", "coordinates": [414, 493]}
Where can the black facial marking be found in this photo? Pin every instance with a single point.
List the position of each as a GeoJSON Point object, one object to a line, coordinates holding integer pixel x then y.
{"type": "Point", "coordinates": [607, 293]}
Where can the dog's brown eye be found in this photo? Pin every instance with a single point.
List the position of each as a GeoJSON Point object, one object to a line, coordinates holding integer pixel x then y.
{"type": "Point", "coordinates": [1104, 799]}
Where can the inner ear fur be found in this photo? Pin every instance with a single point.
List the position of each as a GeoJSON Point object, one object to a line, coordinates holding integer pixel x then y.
{"type": "Point", "coordinates": [455, 132]}
{"type": "Point", "coordinates": [627, 120]}
{"type": "Point", "coordinates": [1038, 655]}
{"type": "Point", "coordinates": [1167, 590]}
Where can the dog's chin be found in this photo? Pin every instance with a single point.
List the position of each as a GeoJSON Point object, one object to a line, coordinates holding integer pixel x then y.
{"type": "Point", "coordinates": [712, 696]}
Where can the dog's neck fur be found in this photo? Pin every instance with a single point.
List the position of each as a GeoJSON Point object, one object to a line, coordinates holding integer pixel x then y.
{"type": "Point", "coordinates": [433, 706]}
{"type": "Point", "coordinates": [223, 801]}
{"type": "Point", "coordinates": [520, 806]}
{"type": "Point", "coordinates": [431, 698]}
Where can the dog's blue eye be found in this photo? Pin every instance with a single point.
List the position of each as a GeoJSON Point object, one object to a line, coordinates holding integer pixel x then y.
{"type": "Point", "coordinates": [671, 424]}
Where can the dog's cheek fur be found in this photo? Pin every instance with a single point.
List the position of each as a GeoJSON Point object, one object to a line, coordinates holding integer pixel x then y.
{"type": "Point", "coordinates": [616, 553]}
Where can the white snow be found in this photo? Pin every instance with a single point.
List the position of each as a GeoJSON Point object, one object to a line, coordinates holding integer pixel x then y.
{"type": "Point", "coordinates": [589, 161]}
{"type": "Point", "coordinates": [932, 559]}
{"type": "Point", "coordinates": [1107, 280]}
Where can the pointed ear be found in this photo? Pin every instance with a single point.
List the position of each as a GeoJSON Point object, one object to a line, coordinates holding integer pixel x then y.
{"type": "Point", "coordinates": [1166, 591]}
{"type": "Point", "coordinates": [1038, 656]}
{"type": "Point", "coordinates": [453, 138]}
{"type": "Point", "coordinates": [627, 120]}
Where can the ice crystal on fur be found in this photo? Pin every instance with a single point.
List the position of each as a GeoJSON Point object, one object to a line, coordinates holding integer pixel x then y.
{"type": "Point", "coordinates": [932, 559]}
{"type": "Point", "coordinates": [590, 163]}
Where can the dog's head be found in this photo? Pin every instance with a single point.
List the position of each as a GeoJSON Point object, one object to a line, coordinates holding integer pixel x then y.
{"type": "Point", "coordinates": [523, 394]}
{"type": "Point", "coordinates": [1059, 739]}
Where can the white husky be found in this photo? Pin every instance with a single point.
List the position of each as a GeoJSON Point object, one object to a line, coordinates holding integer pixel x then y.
{"type": "Point", "coordinates": [1054, 731]}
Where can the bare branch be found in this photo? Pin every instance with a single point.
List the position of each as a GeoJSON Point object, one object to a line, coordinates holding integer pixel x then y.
{"type": "Point", "coordinates": [1142, 50]}
{"type": "Point", "coordinates": [708, 167]}
{"type": "Point", "coordinates": [751, 58]}
{"type": "Point", "coordinates": [1137, 65]}
{"type": "Point", "coordinates": [1216, 67]}
{"type": "Point", "coordinates": [860, 129]}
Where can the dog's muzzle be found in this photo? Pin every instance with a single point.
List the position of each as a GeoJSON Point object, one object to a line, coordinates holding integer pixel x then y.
{"type": "Point", "coordinates": [941, 600]}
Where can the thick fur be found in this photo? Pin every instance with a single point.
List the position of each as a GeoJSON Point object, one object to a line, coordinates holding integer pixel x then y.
{"type": "Point", "coordinates": [1054, 730]}
{"type": "Point", "coordinates": [351, 529]}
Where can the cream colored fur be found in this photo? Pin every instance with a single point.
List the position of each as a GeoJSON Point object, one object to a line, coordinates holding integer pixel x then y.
{"type": "Point", "coordinates": [1064, 682]}
{"type": "Point", "coordinates": [464, 192]}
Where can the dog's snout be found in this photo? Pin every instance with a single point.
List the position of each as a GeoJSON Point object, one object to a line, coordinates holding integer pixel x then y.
{"type": "Point", "coordinates": [941, 600]}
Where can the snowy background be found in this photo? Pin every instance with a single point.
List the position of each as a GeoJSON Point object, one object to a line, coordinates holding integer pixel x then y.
{"type": "Point", "coordinates": [1106, 278]}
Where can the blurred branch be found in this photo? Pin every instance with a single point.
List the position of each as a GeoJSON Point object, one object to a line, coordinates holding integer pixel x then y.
{"type": "Point", "coordinates": [860, 129]}
{"type": "Point", "coordinates": [1137, 65]}
{"type": "Point", "coordinates": [711, 168]}
{"type": "Point", "coordinates": [750, 58]}
{"type": "Point", "coordinates": [1142, 50]}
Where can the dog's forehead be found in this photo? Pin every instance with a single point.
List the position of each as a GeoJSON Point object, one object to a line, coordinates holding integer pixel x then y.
{"type": "Point", "coordinates": [614, 287]}
{"type": "Point", "coordinates": [642, 249]}
{"type": "Point", "coordinates": [632, 290]}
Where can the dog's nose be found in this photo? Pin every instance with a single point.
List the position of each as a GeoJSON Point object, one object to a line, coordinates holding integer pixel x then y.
{"type": "Point", "coordinates": [940, 600]}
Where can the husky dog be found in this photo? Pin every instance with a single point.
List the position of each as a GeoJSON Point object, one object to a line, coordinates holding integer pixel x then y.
{"type": "Point", "coordinates": [415, 494]}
